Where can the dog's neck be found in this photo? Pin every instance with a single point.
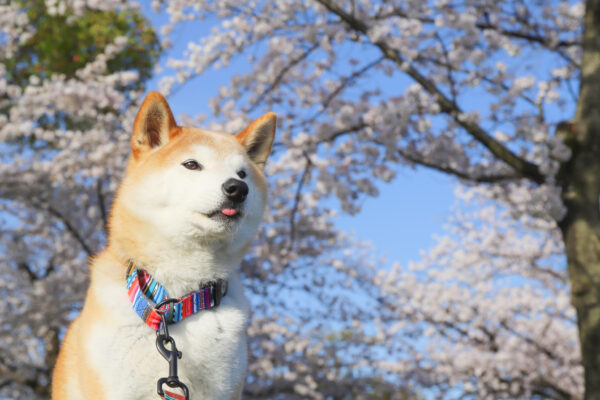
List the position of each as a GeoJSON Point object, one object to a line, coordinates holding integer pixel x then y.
{"type": "Point", "coordinates": [179, 268]}
{"type": "Point", "coordinates": [182, 272]}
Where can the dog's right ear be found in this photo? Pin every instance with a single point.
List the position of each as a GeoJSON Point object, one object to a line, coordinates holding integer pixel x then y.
{"type": "Point", "coordinates": [153, 126]}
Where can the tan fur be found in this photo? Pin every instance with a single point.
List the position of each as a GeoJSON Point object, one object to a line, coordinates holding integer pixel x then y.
{"type": "Point", "coordinates": [72, 364]}
{"type": "Point", "coordinates": [157, 143]}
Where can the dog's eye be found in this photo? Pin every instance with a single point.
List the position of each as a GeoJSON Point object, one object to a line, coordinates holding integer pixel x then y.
{"type": "Point", "coordinates": [241, 174]}
{"type": "Point", "coordinates": [192, 164]}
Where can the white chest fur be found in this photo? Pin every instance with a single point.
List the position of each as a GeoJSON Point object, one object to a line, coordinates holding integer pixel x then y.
{"type": "Point", "coordinates": [213, 344]}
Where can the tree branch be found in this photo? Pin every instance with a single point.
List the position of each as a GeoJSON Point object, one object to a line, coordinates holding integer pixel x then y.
{"type": "Point", "coordinates": [297, 198]}
{"type": "Point", "coordinates": [69, 227]}
{"type": "Point", "coordinates": [447, 106]}
{"type": "Point", "coordinates": [459, 174]}
{"type": "Point", "coordinates": [102, 205]}
{"type": "Point", "coordinates": [484, 78]}
{"type": "Point", "coordinates": [25, 267]}
{"type": "Point", "coordinates": [441, 168]}
{"type": "Point", "coordinates": [14, 374]}
{"type": "Point", "coordinates": [488, 26]}
{"type": "Point", "coordinates": [281, 74]}
{"type": "Point", "coordinates": [345, 82]}
{"type": "Point", "coordinates": [344, 131]}
{"type": "Point", "coordinates": [31, 274]}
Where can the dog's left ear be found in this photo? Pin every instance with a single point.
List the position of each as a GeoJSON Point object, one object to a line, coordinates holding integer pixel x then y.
{"type": "Point", "coordinates": [258, 137]}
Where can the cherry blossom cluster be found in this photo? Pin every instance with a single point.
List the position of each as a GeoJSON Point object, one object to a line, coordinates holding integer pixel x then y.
{"type": "Point", "coordinates": [492, 300]}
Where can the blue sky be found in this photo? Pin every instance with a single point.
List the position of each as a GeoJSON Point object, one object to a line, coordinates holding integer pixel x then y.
{"type": "Point", "coordinates": [399, 222]}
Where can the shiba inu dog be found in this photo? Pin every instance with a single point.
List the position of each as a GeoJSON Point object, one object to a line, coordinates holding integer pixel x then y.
{"type": "Point", "coordinates": [184, 215]}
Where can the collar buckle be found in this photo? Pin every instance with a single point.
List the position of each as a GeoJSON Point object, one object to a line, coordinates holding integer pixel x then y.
{"type": "Point", "coordinates": [219, 291]}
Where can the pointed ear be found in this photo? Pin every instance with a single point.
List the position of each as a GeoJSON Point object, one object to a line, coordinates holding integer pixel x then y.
{"type": "Point", "coordinates": [258, 137]}
{"type": "Point", "coordinates": [153, 124]}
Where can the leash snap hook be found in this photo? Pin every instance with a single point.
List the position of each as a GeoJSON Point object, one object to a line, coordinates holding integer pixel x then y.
{"type": "Point", "coordinates": [171, 355]}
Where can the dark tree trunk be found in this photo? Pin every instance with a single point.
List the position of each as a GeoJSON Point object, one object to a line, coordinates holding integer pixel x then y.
{"type": "Point", "coordinates": [580, 181]}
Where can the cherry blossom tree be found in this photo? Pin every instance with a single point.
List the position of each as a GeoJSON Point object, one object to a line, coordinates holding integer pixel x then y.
{"type": "Point", "coordinates": [499, 95]}
{"type": "Point", "coordinates": [496, 94]}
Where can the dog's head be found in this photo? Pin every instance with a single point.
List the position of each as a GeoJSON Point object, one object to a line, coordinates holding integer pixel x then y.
{"type": "Point", "coordinates": [192, 186]}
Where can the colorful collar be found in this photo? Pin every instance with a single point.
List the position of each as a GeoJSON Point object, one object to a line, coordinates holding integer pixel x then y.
{"type": "Point", "coordinates": [145, 293]}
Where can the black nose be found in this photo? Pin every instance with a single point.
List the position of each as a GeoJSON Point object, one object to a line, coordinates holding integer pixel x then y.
{"type": "Point", "coordinates": [235, 190]}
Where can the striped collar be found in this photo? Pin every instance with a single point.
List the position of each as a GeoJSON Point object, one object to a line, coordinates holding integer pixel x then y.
{"type": "Point", "coordinates": [145, 293]}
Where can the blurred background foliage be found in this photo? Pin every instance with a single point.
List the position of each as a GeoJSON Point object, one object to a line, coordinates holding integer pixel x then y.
{"type": "Point", "coordinates": [65, 43]}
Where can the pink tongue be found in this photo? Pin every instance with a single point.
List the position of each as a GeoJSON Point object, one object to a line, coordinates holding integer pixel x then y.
{"type": "Point", "coordinates": [230, 212]}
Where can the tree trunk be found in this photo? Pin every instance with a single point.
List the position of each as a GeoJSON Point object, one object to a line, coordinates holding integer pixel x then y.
{"type": "Point", "coordinates": [581, 233]}
{"type": "Point", "coordinates": [580, 181]}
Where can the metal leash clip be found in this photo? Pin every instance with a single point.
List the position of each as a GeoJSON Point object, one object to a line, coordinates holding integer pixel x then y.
{"type": "Point", "coordinates": [170, 354]}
